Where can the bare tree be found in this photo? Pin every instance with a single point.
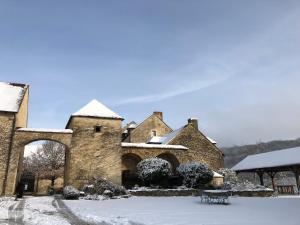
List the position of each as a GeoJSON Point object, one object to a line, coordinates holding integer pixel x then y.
{"type": "Point", "coordinates": [47, 162]}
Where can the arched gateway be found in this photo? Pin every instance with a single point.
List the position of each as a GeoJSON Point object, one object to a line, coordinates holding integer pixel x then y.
{"type": "Point", "coordinates": [24, 136]}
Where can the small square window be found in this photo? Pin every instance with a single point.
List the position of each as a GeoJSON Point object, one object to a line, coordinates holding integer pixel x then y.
{"type": "Point", "coordinates": [98, 129]}
{"type": "Point", "coordinates": [153, 133]}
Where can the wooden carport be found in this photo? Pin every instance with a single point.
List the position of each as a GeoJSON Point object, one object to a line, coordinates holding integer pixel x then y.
{"type": "Point", "coordinates": [272, 163]}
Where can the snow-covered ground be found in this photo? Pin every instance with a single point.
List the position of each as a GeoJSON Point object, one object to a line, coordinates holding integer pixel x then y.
{"type": "Point", "coordinates": [189, 211]}
{"type": "Point", "coordinates": [5, 204]}
{"type": "Point", "coordinates": [42, 211]}
{"type": "Point", "coordinates": [152, 210]}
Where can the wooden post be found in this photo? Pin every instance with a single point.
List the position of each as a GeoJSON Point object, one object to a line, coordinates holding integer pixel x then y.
{"type": "Point", "coordinates": [272, 175]}
{"type": "Point", "coordinates": [261, 177]}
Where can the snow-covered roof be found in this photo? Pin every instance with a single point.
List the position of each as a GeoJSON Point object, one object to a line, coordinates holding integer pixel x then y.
{"type": "Point", "coordinates": [211, 140]}
{"type": "Point", "coordinates": [169, 137]}
{"type": "Point", "coordinates": [69, 131]}
{"type": "Point", "coordinates": [277, 158]}
{"type": "Point", "coordinates": [144, 145]}
{"type": "Point", "coordinates": [132, 125]}
{"type": "Point", "coordinates": [217, 174]}
{"type": "Point", "coordinates": [11, 96]}
{"type": "Point", "coordinates": [156, 140]}
{"type": "Point", "coordinates": [96, 109]}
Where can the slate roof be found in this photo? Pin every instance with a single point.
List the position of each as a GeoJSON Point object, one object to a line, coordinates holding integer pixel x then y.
{"type": "Point", "coordinates": [279, 158]}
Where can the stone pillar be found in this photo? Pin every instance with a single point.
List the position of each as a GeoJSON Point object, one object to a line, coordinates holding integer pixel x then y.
{"type": "Point", "coordinates": [261, 177]}
{"type": "Point", "coordinates": [296, 172]}
{"type": "Point", "coordinates": [12, 178]}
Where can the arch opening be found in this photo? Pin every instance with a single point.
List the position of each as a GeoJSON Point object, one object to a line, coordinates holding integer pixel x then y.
{"type": "Point", "coordinates": [171, 159]}
{"type": "Point", "coordinates": [42, 167]}
{"type": "Point", "coordinates": [129, 164]}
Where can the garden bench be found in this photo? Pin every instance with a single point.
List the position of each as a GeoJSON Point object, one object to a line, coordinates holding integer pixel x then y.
{"type": "Point", "coordinates": [216, 196]}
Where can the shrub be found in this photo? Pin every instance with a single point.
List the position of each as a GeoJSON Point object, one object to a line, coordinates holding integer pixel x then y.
{"type": "Point", "coordinates": [50, 190]}
{"type": "Point", "coordinates": [70, 192]}
{"type": "Point", "coordinates": [195, 174]}
{"type": "Point", "coordinates": [101, 186]}
{"type": "Point", "coordinates": [229, 175]}
{"type": "Point", "coordinates": [153, 170]}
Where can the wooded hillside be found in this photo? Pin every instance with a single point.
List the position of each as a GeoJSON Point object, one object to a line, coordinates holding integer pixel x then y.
{"type": "Point", "coordinates": [236, 153]}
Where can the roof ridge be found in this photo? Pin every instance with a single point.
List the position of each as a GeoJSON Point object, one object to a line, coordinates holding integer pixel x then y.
{"type": "Point", "coordinates": [96, 109]}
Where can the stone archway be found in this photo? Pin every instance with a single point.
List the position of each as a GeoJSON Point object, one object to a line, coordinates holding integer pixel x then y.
{"type": "Point", "coordinates": [25, 136]}
{"type": "Point", "coordinates": [172, 159]}
{"type": "Point", "coordinates": [129, 163]}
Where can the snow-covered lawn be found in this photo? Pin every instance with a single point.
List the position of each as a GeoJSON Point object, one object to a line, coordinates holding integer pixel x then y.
{"type": "Point", "coordinates": [189, 211]}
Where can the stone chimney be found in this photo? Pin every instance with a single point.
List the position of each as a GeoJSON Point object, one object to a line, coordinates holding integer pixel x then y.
{"type": "Point", "coordinates": [194, 122]}
{"type": "Point", "coordinates": [158, 114]}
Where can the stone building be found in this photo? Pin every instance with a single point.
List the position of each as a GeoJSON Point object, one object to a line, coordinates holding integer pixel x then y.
{"type": "Point", "coordinates": [96, 143]}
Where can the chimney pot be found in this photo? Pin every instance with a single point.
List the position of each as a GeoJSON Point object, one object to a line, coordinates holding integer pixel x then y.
{"type": "Point", "coordinates": [158, 114]}
{"type": "Point", "coordinates": [194, 122]}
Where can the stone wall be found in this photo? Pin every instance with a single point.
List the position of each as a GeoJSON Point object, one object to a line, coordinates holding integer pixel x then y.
{"type": "Point", "coordinates": [145, 153]}
{"type": "Point", "coordinates": [6, 128]}
{"type": "Point", "coordinates": [200, 148]}
{"type": "Point", "coordinates": [44, 184]}
{"type": "Point", "coordinates": [166, 192]}
{"type": "Point", "coordinates": [94, 153]}
{"type": "Point", "coordinates": [143, 132]}
{"type": "Point", "coordinates": [22, 114]}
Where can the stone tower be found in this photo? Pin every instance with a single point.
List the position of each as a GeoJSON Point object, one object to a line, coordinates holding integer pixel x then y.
{"type": "Point", "coordinates": [96, 145]}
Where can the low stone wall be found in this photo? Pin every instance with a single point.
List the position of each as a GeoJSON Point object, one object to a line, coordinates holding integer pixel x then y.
{"type": "Point", "coordinates": [165, 192]}
{"type": "Point", "coordinates": [258, 193]}
{"type": "Point", "coordinates": [194, 192]}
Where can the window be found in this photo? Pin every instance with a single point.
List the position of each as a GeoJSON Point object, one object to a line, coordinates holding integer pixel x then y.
{"type": "Point", "coordinates": [153, 134]}
{"type": "Point", "coordinates": [98, 128]}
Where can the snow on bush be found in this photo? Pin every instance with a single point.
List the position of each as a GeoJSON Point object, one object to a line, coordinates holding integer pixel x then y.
{"type": "Point", "coordinates": [153, 170]}
{"type": "Point", "coordinates": [248, 186]}
{"type": "Point", "coordinates": [101, 186]}
{"type": "Point", "coordinates": [70, 192]}
{"type": "Point", "coordinates": [95, 197]}
{"type": "Point", "coordinates": [195, 174]}
{"type": "Point", "coordinates": [232, 182]}
{"type": "Point", "coordinates": [230, 178]}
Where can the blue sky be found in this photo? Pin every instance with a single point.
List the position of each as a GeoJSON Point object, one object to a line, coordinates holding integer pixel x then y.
{"type": "Point", "coordinates": [235, 65]}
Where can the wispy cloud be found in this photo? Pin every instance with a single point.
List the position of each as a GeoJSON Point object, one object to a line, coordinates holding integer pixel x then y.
{"type": "Point", "coordinates": [180, 90]}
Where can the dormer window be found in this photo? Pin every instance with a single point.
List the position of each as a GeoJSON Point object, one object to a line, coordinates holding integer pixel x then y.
{"type": "Point", "coordinates": [153, 133]}
{"type": "Point", "coordinates": [98, 128]}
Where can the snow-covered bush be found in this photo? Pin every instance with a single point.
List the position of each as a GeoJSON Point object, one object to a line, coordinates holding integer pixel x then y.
{"type": "Point", "coordinates": [230, 178]}
{"type": "Point", "coordinates": [88, 189]}
{"type": "Point", "coordinates": [229, 175]}
{"type": "Point", "coordinates": [70, 192]}
{"type": "Point", "coordinates": [195, 174]}
{"type": "Point", "coordinates": [153, 170]}
{"type": "Point", "coordinates": [95, 197]}
{"type": "Point", "coordinates": [232, 182]}
{"type": "Point", "coordinates": [102, 186]}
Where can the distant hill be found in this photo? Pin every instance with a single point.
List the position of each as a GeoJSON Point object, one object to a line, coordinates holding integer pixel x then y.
{"type": "Point", "coordinates": [235, 154]}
